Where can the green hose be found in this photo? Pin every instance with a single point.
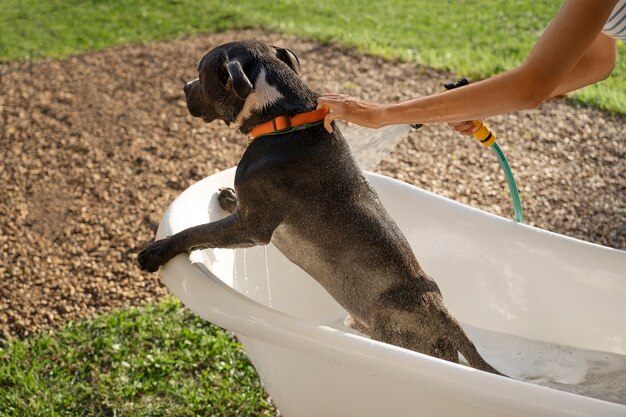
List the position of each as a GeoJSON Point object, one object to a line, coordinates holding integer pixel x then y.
{"type": "Point", "coordinates": [510, 181]}
{"type": "Point", "coordinates": [488, 139]}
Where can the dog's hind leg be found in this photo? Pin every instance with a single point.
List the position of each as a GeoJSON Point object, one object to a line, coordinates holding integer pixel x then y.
{"type": "Point", "coordinates": [356, 324]}
{"type": "Point", "coordinates": [408, 330]}
{"type": "Point", "coordinates": [444, 349]}
{"type": "Point", "coordinates": [389, 327]}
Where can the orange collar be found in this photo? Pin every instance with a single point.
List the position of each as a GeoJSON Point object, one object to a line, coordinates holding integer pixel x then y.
{"type": "Point", "coordinates": [284, 124]}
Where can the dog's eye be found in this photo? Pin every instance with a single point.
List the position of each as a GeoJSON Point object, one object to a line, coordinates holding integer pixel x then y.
{"type": "Point", "coordinates": [223, 74]}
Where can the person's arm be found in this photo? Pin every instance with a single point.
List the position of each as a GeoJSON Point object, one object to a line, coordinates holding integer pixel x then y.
{"type": "Point", "coordinates": [596, 65]}
{"type": "Point", "coordinates": [556, 54]}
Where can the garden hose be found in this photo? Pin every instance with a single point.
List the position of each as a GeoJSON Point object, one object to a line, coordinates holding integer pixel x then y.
{"type": "Point", "coordinates": [488, 139]}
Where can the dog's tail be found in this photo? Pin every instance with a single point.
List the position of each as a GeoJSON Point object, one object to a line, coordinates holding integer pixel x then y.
{"type": "Point", "coordinates": [467, 348]}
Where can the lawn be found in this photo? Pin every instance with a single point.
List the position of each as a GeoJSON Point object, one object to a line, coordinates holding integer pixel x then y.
{"type": "Point", "coordinates": [151, 361]}
{"type": "Point", "coordinates": [472, 38]}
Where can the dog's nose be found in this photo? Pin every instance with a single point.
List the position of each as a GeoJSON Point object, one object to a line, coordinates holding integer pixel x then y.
{"type": "Point", "coordinates": [188, 85]}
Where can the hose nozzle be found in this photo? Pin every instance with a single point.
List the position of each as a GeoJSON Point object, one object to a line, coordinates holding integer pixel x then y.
{"type": "Point", "coordinates": [485, 136]}
{"type": "Point", "coordinates": [482, 134]}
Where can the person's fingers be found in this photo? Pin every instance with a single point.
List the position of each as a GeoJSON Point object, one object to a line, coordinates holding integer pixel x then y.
{"type": "Point", "coordinates": [331, 96]}
{"type": "Point", "coordinates": [465, 132]}
{"type": "Point", "coordinates": [334, 103]}
{"type": "Point", "coordinates": [330, 101]}
{"type": "Point", "coordinates": [322, 104]}
{"type": "Point", "coordinates": [328, 120]}
{"type": "Point", "coordinates": [466, 128]}
{"type": "Point", "coordinates": [344, 107]}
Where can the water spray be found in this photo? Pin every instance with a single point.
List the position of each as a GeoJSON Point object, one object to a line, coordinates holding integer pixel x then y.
{"type": "Point", "coordinates": [370, 146]}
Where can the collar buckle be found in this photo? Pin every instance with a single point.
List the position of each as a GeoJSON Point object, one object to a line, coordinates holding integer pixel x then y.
{"type": "Point", "coordinates": [287, 124]}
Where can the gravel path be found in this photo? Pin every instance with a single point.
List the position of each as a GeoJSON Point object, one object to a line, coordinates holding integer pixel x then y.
{"type": "Point", "coordinates": [96, 146]}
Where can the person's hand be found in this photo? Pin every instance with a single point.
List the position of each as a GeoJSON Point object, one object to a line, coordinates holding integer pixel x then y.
{"type": "Point", "coordinates": [350, 109]}
{"type": "Point", "coordinates": [466, 128]}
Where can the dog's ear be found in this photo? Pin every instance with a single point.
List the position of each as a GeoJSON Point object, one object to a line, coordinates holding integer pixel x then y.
{"type": "Point", "coordinates": [289, 58]}
{"type": "Point", "coordinates": [239, 80]}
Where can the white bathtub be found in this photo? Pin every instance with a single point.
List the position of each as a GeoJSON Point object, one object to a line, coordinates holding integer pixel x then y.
{"type": "Point", "coordinates": [509, 284]}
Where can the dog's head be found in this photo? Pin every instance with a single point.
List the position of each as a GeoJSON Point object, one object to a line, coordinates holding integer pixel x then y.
{"type": "Point", "coordinates": [248, 83]}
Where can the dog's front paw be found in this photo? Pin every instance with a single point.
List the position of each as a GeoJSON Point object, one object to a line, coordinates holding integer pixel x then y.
{"type": "Point", "coordinates": [154, 255]}
{"type": "Point", "coordinates": [227, 199]}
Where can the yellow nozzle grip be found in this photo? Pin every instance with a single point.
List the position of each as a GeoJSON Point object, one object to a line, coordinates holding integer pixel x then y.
{"type": "Point", "coordinates": [483, 134]}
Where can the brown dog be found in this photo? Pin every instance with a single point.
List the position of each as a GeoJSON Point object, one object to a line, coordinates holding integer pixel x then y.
{"type": "Point", "coordinates": [301, 189]}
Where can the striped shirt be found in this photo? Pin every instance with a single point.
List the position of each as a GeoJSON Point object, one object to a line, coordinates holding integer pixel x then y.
{"type": "Point", "coordinates": [615, 27]}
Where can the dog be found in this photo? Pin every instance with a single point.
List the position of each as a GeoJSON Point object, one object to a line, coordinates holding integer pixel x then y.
{"type": "Point", "coordinates": [299, 187]}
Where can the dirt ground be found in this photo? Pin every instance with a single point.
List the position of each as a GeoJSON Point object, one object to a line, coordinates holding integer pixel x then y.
{"type": "Point", "coordinates": [96, 146]}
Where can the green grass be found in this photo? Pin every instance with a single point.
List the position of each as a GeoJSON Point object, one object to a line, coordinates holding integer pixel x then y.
{"type": "Point", "coordinates": [152, 361]}
{"type": "Point", "coordinates": [162, 361]}
{"type": "Point", "coordinates": [474, 38]}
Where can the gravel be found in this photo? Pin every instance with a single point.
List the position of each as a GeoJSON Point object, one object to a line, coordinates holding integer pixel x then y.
{"type": "Point", "coordinates": [96, 146]}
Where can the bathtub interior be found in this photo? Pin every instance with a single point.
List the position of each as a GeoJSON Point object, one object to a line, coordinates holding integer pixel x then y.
{"type": "Point", "coordinates": [494, 274]}
{"type": "Point", "coordinates": [266, 276]}
{"type": "Point", "coordinates": [534, 303]}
